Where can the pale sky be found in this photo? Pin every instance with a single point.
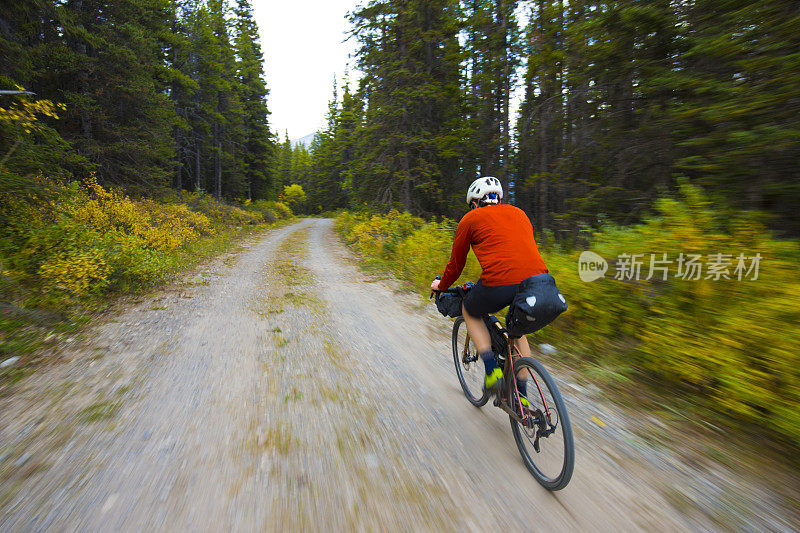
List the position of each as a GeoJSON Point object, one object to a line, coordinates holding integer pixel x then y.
{"type": "Point", "coordinates": [302, 42]}
{"type": "Point", "coordinates": [303, 46]}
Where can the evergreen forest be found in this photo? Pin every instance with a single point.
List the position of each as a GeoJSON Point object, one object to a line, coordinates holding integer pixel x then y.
{"type": "Point", "coordinates": [155, 95]}
{"type": "Point", "coordinates": [587, 111]}
{"type": "Point", "coordinates": [620, 100]}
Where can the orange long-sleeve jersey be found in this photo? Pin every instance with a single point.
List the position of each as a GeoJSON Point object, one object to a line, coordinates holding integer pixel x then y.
{"type": "Point", "coordinates": [502, 238]}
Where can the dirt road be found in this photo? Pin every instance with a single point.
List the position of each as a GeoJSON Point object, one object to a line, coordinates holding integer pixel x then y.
{"type": "Point", "coordinates": [279, 389]}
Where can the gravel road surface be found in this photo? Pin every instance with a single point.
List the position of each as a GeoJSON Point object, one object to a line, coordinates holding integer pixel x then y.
{"type": "Point", "coordinates": [282, 388]}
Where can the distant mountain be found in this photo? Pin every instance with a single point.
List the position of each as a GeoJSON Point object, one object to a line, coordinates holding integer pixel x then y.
{"type": "Point", "coordinates": [303, 140]}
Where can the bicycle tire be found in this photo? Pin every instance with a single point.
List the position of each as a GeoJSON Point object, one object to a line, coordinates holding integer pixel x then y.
{"type": "Point", "coordinates": [558, 472]}
{"type": "Point", "coordinates": [470, 374]}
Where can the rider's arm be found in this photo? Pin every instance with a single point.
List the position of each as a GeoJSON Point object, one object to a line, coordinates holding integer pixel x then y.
{"type": "Point", "coordinates": [458, 256]}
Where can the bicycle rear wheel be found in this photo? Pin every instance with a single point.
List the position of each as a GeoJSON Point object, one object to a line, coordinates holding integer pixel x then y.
{"type": "Point", "coordinates": [469, 366]}
{"type": "Point", "coordinates": [545, 441]}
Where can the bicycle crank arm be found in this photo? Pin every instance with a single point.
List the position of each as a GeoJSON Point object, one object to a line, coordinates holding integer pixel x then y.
{"type": "Point", "coordinates": [513, 415]}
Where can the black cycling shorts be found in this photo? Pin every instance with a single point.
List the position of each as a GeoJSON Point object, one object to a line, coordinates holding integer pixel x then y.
{"type": "Point", "coordinates": [483, 300]}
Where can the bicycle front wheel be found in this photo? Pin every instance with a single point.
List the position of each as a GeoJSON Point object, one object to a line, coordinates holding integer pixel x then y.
{"type": "Point", "coordinates": [469, 366]}
{"type": "Point", "coordinates": [545, 439]}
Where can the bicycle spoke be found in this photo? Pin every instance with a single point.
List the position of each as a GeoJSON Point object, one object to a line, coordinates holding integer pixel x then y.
{"type": "Point", "coordinates": [545, 441]}
{"type": "Point", "coordinates": [470, 372]}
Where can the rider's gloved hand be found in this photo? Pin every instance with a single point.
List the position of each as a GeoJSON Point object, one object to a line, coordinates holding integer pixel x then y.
{"type": "Point", "coordinates": [435, 285]}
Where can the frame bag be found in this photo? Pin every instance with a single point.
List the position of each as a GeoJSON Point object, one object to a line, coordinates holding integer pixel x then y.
{"type": "Point", "coordinates": [537, 303]}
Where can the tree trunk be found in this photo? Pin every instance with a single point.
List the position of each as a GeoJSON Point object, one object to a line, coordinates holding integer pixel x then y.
{"type": "Point", "coordinates": [217, 163]}
{"type": "Point", "coordinates": [85, 120]}
{"type": "Point", "coordinates": [178, 160]}
{"type": "Point", "coordinates": [505, 90]}
{"type": "Point", "coordinates": [197, 182]}
{"type": "Point", "coordinates": [176, 129]}
{"type": "Point", "coordinates": [405, 185]}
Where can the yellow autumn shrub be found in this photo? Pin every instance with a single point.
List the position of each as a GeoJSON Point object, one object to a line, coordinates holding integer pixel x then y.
{"type": "Point", "coordinates": [171, 226]}
{"type": "Point", "coordinates": [220, 215]}
{"type": "Point", "coordinates": [81, 239]}
{"type": "Point", "coordinates": [281, 209]}
{"type": "Point", "coordinates": [377, 236]}
{"type": "Point", "coordinates": [425, 252]}
{"type": "Point", "coordinates": [76, 272]}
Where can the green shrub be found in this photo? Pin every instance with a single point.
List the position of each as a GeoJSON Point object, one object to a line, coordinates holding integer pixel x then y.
{"type": "Point", "coordinates": [260, 206]}
{"type": "Point", "coordinates": [271, 211]}
{"type": "Point", "coordinates": [220, 215]}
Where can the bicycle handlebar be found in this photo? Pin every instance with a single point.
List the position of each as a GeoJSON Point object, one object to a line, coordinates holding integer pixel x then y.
{"type": "Point", "coordinates": [432, 292]}
{"type": "Point", "coordinates": [453, 290]}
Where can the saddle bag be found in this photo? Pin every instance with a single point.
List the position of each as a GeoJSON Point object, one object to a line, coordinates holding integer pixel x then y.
{"type": "Point", "coordinates": [537, 303]}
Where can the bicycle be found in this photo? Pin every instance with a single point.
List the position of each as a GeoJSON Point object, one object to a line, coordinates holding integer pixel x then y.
{"type": "Point", "coordinates": [544, 419]}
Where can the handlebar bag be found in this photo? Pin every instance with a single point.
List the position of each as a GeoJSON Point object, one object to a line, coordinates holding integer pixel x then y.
{"type": "Point", "coordinates": [449, 304]}
{"type": "Point", "coordinates": [537, 303]}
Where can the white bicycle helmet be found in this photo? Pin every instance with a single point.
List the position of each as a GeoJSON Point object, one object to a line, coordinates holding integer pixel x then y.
{"type": "Point", "coordinates": [486, 190]}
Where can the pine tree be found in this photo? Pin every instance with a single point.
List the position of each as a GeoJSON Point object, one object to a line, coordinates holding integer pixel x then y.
{"type": "Point", "coordinates": [346, 141]}
{"type": "Point", "coordinates": [492, 49]}
{"type": "Point", "coordinates": [227, 113]}
{"type": "Point", "coordinates": [106, 63]}
{"type": "Point", "coordinates": [413, 141]}
{"type": "Point", "coordinates": [593, 129]}
{"type": "Point", "coordinates": [258, 146]}
{"type": "Point", "coordinates": [27, 34]}
{"type": "Point", "coordinates": [156, 93]}
{"type": "Point", "coordinates": [283, 165]}
{"type": "Point", "coordinates": [737, 121]}
{"type": "Point", "coordinates": [541, 119]}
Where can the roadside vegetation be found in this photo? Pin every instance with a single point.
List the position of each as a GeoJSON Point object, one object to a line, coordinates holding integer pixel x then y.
{"type": "Point", "coordinates": [723, 343]}
{"type": "Point", "coordinates": [125, 156]}
{"type": "Point", "coordinates": [68, 247]}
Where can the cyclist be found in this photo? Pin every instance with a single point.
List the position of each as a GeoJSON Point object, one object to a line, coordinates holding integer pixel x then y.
{"type": "Point", "coordinates": [501, 236]}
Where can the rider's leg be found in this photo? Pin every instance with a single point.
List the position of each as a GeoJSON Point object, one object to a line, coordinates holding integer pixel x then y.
{"type": "Point", "coordinates": [478, 331]}
{"type": "Point", "coordinates": [479, 334]}
{"type": "Point", "coordinates": [524, 350]}
{"type": "Point", "coordinates": [523, 346]}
